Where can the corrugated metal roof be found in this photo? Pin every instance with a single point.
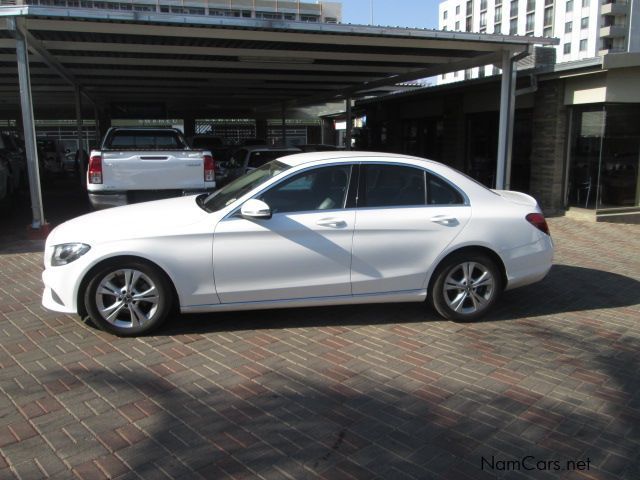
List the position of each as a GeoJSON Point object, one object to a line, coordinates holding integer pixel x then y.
{"type": "Point", "coordinates": [239, 65]}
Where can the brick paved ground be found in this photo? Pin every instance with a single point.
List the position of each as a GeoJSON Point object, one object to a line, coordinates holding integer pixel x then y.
{"type": "Point", "coordinates": [356, 392]}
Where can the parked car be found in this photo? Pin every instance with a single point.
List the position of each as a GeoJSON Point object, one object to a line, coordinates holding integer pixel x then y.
{"type": "Point", "coordinates": [140, 164]}
{"type": "Point", "coordinates": [219, 151]}
{"type": "Point", "coordinates": [51, 153]}
{"type": "Point", "coordinates": [4, 179]}
{"type": "Point", "coordinates": [304, 230]}
{"type": "Point", "coordinates": [16, 161]}
{"type": "Point", "coordinates": [246, 159]}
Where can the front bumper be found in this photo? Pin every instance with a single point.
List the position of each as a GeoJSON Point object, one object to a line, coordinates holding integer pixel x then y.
{"type": "Point", "coordinates": [58, 292]}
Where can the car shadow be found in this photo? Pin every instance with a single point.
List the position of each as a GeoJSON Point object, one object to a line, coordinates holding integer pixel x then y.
{"type": "Point", "coordinates": [566, 289]}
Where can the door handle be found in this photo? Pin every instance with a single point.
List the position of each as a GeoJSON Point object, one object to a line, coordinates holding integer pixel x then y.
{"type": "Point", "coordinates": [445, 220]}
{"type": "Point", "coordinates": [331, 222]}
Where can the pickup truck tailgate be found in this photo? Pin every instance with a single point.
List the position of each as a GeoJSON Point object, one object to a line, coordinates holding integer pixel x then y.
{"type": "Point", "coordinates": [153, 170]}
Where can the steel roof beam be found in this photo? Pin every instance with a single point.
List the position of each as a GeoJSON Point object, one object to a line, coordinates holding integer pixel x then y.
{"type": "Point", "coordinates": [17, 24]}
{"type": "Point", "coordinates": [283, 56]}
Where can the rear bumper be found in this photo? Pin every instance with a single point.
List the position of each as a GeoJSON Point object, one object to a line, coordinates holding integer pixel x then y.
{"type": "Point", "coordinates": [100, 200]}
{"type": "Point", "coordinates": [530, 263]}
{"type": "Point", "coordinates": [107, 200]}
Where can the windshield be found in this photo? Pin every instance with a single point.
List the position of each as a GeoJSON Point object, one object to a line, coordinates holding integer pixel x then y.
{"type": "Point", "coordinates": [239, 187]}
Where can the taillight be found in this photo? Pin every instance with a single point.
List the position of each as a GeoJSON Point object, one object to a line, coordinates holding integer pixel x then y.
{"type": "Point", "coordinates": [209, 169]}
{"type": "Point", "coordinates": [538, 221]}
{"type": "Point", "coordinates": [95, 169]}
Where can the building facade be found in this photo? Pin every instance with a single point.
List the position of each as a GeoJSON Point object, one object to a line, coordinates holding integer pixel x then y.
{"type": "Point", "coordinates": [292, 10]}
{"type": "Point", "coordinates": [585, 28]}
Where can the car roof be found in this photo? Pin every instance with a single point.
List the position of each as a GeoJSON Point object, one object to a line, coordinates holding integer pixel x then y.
{"type": "Point", "coordinates": [302, 158]}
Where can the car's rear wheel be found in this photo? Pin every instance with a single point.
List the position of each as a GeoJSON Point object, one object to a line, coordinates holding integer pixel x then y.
{"type": "Point", "coordinates": [128, 298]}
{"type": "Point", "coordinates": [466, 286]}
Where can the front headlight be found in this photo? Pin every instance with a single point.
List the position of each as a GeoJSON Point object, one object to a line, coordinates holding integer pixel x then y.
{"type": "Point", "coordinates": [67, 253]}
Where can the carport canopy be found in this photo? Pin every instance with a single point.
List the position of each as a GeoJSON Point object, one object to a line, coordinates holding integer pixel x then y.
{"type": "Point", "coordinates": [203, 65]}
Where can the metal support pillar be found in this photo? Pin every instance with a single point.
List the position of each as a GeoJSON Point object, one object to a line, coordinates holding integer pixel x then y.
{"type": "Point", "coordinates": [29, 130]}
{"type": "Point", "coordinates": [284, 124]}
{"type": "Point", "coordinates": [80, 140]}
{"type": "Point", "coordinates": [505, 125]}
{"type": "Point", "coordinates": [98, 126]}
{"type": "Point", "coordinates": [349, 127]}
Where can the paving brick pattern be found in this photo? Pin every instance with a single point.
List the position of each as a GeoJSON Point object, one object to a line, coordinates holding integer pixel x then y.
{"type": "Point", "coordinates": [389, 392]}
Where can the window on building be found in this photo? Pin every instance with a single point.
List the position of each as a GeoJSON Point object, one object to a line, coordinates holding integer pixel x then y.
{"type": "Point", "coordinates": [483, 4]}
{"type": "Point", "coordinates": [569, 6]}
{"type": "Point", "coordinates": [498, 2]}
{"type": "Point", "coordinates": [444, 15]}
{"type": "Point", "coordinates": [513, 26]}
{"type": "Point", "coordinates": [457, 27]}
{"type": "Point", "coordinates": [567, 48]}
{"type": "Point", "coordinates": [584, 23]}
{"type": "Point", "coordinates": [457, 9]}
{"type": "Point", "coordinates": [483, 19]}
{"type": "Point", "coordinates": [547, 32]}
{"type": "Point", "coordinates": [568, 27]}
{"type": "Point", "coordinates": [531, 5]}
{"type": "Point", "coordinates": [585, 3]}
{"type": "Point", "coordinates": [498, 14]}
{"type": "Point", "coordinates": [548, 3]}
{"type": "Point", "coordinates": [514, 8]}
{"type": "Point", "coordinates": [497, 28]}
{"type": "Point", "coordinates": [530, 21]}
{"type": "Point", "coordinates": [548, 17]}
{"type": "Point", "coordinates": [583, 45]}
{"type": "Point", "coordinates": [469, 23]}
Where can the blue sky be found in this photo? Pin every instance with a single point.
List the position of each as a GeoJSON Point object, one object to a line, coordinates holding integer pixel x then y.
{"type": "Point", "coordinates": [401, 13]}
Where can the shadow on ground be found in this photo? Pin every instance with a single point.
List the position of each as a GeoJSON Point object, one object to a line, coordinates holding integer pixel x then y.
{"type": "Point", "coordinates": [283, 421]}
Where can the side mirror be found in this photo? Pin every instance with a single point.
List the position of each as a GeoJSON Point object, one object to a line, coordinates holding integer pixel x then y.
{"type": "Point", "coordinates": [255, 209]}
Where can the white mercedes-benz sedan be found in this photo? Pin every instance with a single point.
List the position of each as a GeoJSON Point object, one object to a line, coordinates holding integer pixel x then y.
{"type": "Point", "coordinates": [326, 228]}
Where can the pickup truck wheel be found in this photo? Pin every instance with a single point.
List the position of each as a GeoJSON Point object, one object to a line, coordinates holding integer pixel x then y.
{"type": "Point", "coordinates": [466, 286]}
{"type": "Point", "coordinates": [128, 299]}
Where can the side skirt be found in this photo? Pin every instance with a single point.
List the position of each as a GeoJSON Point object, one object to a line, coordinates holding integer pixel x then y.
{"type": "Point", "coordinates": [393, 297]}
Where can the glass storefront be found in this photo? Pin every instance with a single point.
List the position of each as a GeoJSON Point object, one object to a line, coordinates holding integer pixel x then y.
{"type": "Point", "coordinates": [604, 156]}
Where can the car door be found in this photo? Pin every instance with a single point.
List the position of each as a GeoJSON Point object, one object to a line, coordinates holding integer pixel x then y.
{"type": "Point", "coordinates": [302, 251]}
{"type": "Point", "coordinates": [405, 217]}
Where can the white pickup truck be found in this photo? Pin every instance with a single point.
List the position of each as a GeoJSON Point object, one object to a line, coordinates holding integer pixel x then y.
{"type": "Point", "coordinates": [140, 164]}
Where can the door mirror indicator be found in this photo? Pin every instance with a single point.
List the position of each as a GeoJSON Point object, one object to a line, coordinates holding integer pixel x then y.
{"type": "Point", "coordinates": [255, 209]}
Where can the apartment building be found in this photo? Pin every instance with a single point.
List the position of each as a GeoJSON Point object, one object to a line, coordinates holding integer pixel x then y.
{"type": "Point", "coordinates": [586, 28]}
{"type": "Point", "coordinates": [292, 10]}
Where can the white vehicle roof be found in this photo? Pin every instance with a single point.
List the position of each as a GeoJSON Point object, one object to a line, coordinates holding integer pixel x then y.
{"type": "Point", "coordinates": [302, 158]}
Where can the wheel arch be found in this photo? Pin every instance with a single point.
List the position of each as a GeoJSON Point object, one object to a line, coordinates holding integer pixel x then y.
{"type": "Point", "coordinates": [467, 249]}
{"type": "Point", "coordinates": [114, 261]}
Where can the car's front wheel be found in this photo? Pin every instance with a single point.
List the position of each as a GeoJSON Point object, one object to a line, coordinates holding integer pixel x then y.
{"type": "Point", "coordinates": [128, 298]}
{"type": "Point", "coordinates": [466, 286]}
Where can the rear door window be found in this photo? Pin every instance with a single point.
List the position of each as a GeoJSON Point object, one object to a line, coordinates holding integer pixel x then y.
{"type": "Point", "coordinates": [391, 186]}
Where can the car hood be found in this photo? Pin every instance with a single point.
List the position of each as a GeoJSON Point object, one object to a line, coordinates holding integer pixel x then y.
{"type": "Point", "coordinates": [149, 219]}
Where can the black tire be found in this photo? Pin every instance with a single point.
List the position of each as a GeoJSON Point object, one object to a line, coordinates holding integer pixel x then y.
{"type": "Point", "coordinates": [136, 314]}
{"type": "Point", "coordinates": [453, 299]}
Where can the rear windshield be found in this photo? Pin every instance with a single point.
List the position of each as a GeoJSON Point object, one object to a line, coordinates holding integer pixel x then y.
{"type": "Point", "coordinates": [207, 142]}
{"type": "Point", "coordinates": [145, 140]}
